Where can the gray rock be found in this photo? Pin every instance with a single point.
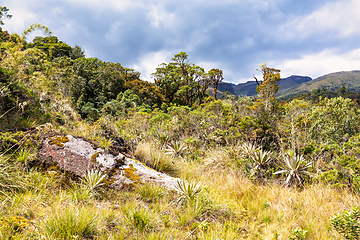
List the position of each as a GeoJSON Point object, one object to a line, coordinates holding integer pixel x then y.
{"type": "Point", "coordinates": [78, 155]}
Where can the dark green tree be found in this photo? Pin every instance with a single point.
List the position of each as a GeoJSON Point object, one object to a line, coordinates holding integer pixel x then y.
{"type": "Point", "coordinates": [267, 88]}
{"type": "Point", "coordinates": [97, 82]}
{"type": "Point", "coordinates": [266, 108]}
{"type": "Point", "coordinates": [52, 46]}
{"type": "Point", "coordinates": [180, 81]}
{"type": "Point", "coordinates": [76, 52]}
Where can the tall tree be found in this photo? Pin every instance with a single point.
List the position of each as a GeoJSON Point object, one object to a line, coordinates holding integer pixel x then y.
{"type": "Point", "coordinates": [267, 88]}
{"type": "Point", "coordinates": [266, 107]}
{"type": "Point", "coordinates": [216, 76]}
{"type": "Point", "coordinates": [180, 81]}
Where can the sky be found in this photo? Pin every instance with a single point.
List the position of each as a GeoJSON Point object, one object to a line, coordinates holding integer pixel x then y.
{"type": "Point", "coordinates": [307, 38]}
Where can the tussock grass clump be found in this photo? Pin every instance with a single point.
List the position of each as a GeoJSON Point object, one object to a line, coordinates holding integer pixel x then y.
{"type": "Point", "coordinates": [70, 223]}
{"type": "Point", "coordinates": [149, 154]}
{"type": "Point", "coordinates": [139, 218]}
{"type": "Point", "coordinates": [151, 192]}
{"type": "Point", "coordinates": [11, 179]}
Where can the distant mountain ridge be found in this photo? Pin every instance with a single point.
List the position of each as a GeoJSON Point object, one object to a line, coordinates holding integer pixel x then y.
{"type": "Point", "coordinates": [332, 81]}
{"type": "Point", "coordinates": [295, 84]}
{"type": "Point", "coordinates": [249, 88]}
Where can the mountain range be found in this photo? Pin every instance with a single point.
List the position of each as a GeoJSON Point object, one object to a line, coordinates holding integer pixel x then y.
{"type": "Point", "coordinates": [294, 85]}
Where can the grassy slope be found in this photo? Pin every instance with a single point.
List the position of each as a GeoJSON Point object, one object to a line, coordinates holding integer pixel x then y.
{"type": "Point", "coordinates": [351, 80]}
{"type": "Point", "coordinates": [231, 207]}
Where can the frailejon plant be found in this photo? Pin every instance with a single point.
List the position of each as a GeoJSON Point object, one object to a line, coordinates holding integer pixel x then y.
{"type": "Point", "coordinates": [347, 223]}
{"type": "Point", "coordinates": [261, 157]}
{"type": "Point", "coordinates": [247, 149]}
{"type": "Point", "coordinates": [176, 149]}
{"type": "Point", "coordinates": [298, 234]}
{"type": "Point", "coordinates": [24, 155]}
{"type": "Point", "coordinates": [105, 143]}
{"type": "Point", "coordinates": [295, 167]}
{"type": "Point", "coordinates": [92, 180]}
{"type": "Point", "coordinates": [188, 191]}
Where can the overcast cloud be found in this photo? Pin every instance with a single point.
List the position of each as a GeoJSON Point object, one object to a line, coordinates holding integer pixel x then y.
{"type": "Point", "coordinates": [309, 37]}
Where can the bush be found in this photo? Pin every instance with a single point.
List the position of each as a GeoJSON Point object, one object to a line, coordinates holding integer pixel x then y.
{"type": "Point", "coordinates": [347, 223]}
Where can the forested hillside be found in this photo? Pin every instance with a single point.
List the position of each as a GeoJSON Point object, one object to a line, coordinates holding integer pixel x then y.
{"type": "Point", "coordinates": [250, 168]}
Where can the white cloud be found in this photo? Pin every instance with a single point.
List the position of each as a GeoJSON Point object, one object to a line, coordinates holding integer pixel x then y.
{"type": "Point", "coordinates": [21, 20]}
{"type": "Point", "coordinates": [339, 18]}
{"type": "Point", "coordinates": [324, 62]}
{"type": "Point", "coordinates": [107, 4]}
{"type": "Point", "coordinates": [149, 62]}
{"type": "Point", "coordinates": [159, 16]}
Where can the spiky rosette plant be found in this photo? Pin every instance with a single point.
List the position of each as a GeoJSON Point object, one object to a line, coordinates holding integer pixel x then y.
{"type": "Point", "coordinates": [295, 167]}
{"type": "Point", "coordinates": [188, 190]}
{"type": "Point", "coordinates": [92, 180]}
{"type": "Point", "coordinates": [176, 149]}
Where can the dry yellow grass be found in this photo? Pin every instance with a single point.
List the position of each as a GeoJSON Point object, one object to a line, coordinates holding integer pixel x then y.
{"type": "Point", "coordinates": [271, 210]}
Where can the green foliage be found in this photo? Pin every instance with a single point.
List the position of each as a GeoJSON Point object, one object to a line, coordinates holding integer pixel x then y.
{"type": "Point", "coordinates": [4, 14]}
{"type": "Point", "coordinates": [51, 46]}
{"type": "Point", "coordinates": [97, 83]}
{"type": "Point", "coordinates": [151, 192]}
{"type": "Point", "coordinates": [298, 234]}
{"type": "Point", "coordinates": [76, 52]}
{"type": "Point", "coordinates": [25, 155]}
{"type": "Point", "coordinates": [183, 83]}
{"type": "Point", "coordinates": [129, 99]}
{"type": "Point", "coordinates": [216, 77]}
{"type": "Point", "coordinates": [34, 27]}
{"type": "Point", "coordinates": [189, 191]}
{"type": "Point", "coordinates": [11, 179]}
{"type": "Point", "coordinates": [333, 119]}
{"type": "Point", "coordinates": [347, 223]}
{"type": "Point", "coordinates": [113, 108]}
{"type": "Point", "coordinates": [267, 88]}
{"type": "Point", "coordinates": [159, 118]}
{"type": "Point", "coordinates": [93, 179]}
{"type": "Point", "coordinates": [141, 219]}
{"type": "Point", "coordinates": [71, 223]}
{"type": "Point", "coordinates": [148, 93]}
{"type": "Point", "coordinates": [295, 167]}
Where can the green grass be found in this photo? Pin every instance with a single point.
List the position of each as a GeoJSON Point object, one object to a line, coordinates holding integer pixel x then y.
{"type": "Point", "coordinates": [71, 223]}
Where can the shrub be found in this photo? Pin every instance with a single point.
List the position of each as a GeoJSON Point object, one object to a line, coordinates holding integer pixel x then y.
{"type": "Point", "coordinates": [347, 223]}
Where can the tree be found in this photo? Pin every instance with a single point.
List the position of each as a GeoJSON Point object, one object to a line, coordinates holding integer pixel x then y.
{"type": "Point", "coordinates": [97, 82]}
{"type": "Point", "coordinates": [4, 14]}
{"type": "Point", "coordinates": [267, 88]}
{"type": "Point", "coordinates": [216, 77]}
{"type": "Point", "coordinates": [77, 52]}
{"type": "Point", "coordinates": [180, 81]}
{"type": "Point", "coordinates": [148, 92]}
{"type": "Point", "coordinates": [51, 46]}
{"type": "Point", "coordinates": [266, 108]}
